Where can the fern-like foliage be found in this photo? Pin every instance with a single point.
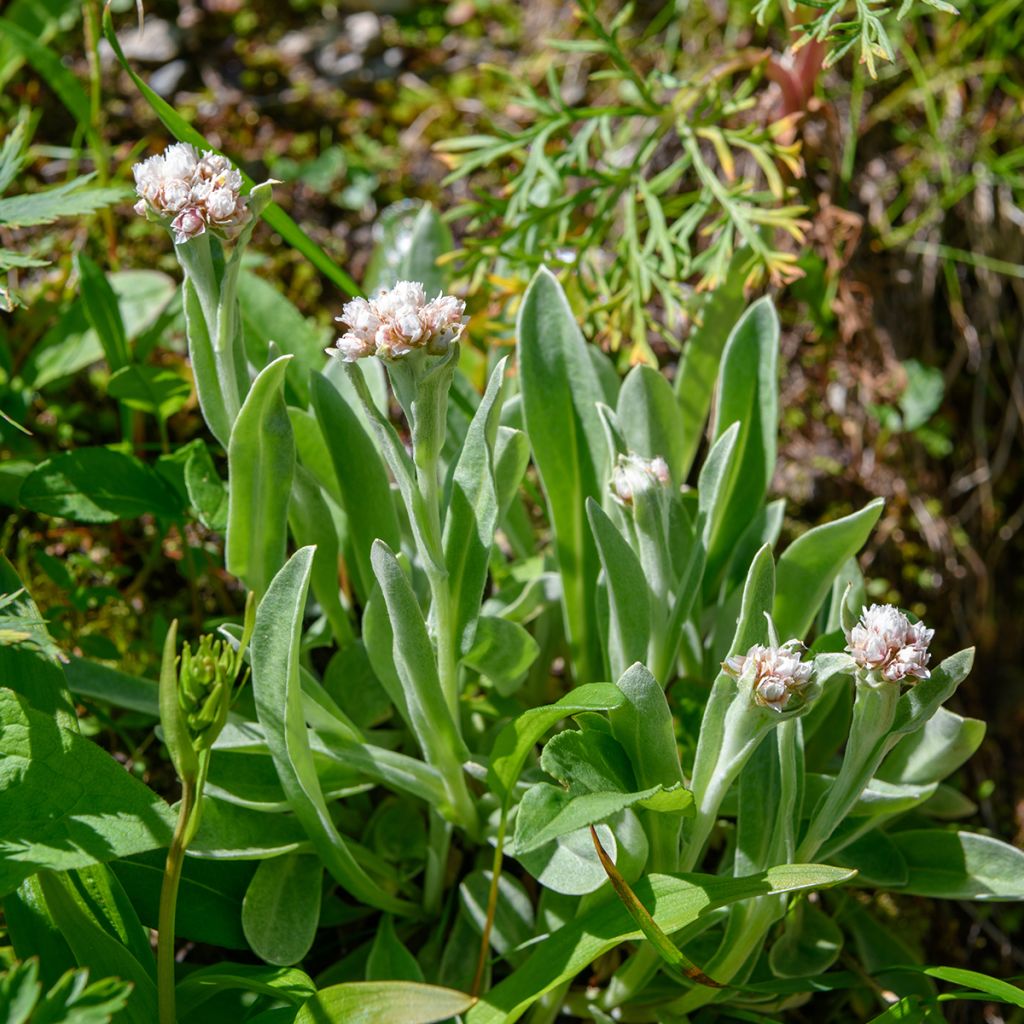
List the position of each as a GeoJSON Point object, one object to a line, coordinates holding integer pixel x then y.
{"type": "Point", "coordinates": [74, 198]}
{"type": "Point", "coordinates": [852, 26]}
{"type": "Point", "coordinates": [652, 189]}
{"type": "Point", "coordinates": [71, 1001]}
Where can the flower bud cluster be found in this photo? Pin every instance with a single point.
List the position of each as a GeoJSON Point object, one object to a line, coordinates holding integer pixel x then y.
{"type": "Point", "coordinates": [887, 642]}
{"type": "Point", "coordinates": [193, 191]}
{"type": "Point", "coordinates": [778, 673]}
{"type": "Point", "coordinates": [633, 474]}
{"type": "Point", "coordinates": [397, 321]}
{"type": "Point", "coordinates": [206, 678]}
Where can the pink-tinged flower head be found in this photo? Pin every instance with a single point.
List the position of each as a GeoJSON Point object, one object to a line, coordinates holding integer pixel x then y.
{"type": "Point", "coordinates": [778, 673]}
{"type": "Point", "coordinates": [397, 321]}
{"type": "Point", "coordinates": [193, 191]}
{"type": "Point", "coordinates": [887, 642]}
{"type": "Point", "coordinates": [634, 474]}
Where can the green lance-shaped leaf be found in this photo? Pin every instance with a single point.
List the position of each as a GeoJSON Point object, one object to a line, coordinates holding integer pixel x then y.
{"type": "Point", "coordinates": [362, 478]}
{"type": "Point", "coordinates": [312, 524]}
{"type": "Point", "coordinates": [518, 738]}
{"type": "Point", "coordinates": [272, 214]}
{"type": "Point", "coordinates": [384, 1002]}
{"type": "Point", "coordinates": [172, 717]}
{"type": "Point", "coordinates": [673, 903]}
{"type": "Point", "coordinates": [698, 368]}
{"type": "Point", "coordinates": [261, 463]}
{"type": "Point", "coordinates": [960, 865]}
{"type": "Point", "coordinates": [808, 566]}
{"type": "Point", "coordinates": [98, 950]}
{"type": "Point", "coordinates": [747, 395]}
{"type": "Point", "coordinates": [934, 751]}
{"type": "Point", "coordinates": [204, 365]}
{"type": "Point", "coordinates": [277, 690]}
{"type": "Point", "coordinates": [643, 725]}
{"type": "Point", "coordinates": [281, 909]}
{"type": "Point", "coordinates": [629, 599]}
{"type": "Point", "coordinates": [473, 513]}
{"type": "Point", "coordinates": [389, 959]}
{"type": "Point", "coordinates": [102, 312]}
{"type": "Point", "coordinates": [651, 419]}
{"type": "Point", "coordinates": [502, 651]}
{"type": "Point", "coordinates": [713, 482]}
{"type": "Point", "coordinates": [560, 390]}
{"type": "Point", "coordinates": [416, 664]}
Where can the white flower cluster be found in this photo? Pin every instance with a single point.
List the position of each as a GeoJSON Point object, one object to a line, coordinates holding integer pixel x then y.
{"type": "Point", "coordinates": [633, 474]}
{"type": "Point", "coordinates": [887, 642]}
{"type": "Point", "coordinates": [779, 674]}
{"type": "Point", "coordinates": [195, 192]}
{"type": "Point", "coordinates": [397, 321]}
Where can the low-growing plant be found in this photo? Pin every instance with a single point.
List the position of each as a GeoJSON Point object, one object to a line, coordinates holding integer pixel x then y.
{"type": "Point", "coordinates": [558, 557]}
{"type": "Point", "coordinates": [527, 714]}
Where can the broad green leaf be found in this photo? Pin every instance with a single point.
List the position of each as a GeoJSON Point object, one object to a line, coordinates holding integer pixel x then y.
{"type": "Point", "coordinates": [560, 391]}
{"type": "Point", "coordinates": [715, 475]}
{"type": "Point", "coordinates": [276, 688]}
{"type": "Point", "coordinates": [960, 866]}
{"type": "Point", "coordinates": [150, 389]}
{"type": "Point", "coordinates": [94, 948]}
{"type": "Point", "coordinates": [287, 984]}
{"type": "Point", "coordinates": [32, 931]}
{"type": "Point", "coordinates": [389, 959]}
{"type": "Point", "coordinates": [268, 317]}
{"type": "Point", "coordinates": [281, 908]}
{"type": "Point", "coordinates": [876, 860]}
{"type": "Point", "coordinates": [809, 945]}
{"type": "Point", "coordinates": [65, 802]}
{"type": "Point", "coordinates": [102, 312]}
{"type": "Point", "coordinates": [747, 395]}
{"type": "Point", "coordinates": [97, 485]}
{"type": "Point", "coordinates": [230, 832]}
{"type": "Point", "coordinates": [587, 760]}
{"type": "Point", "coordinates": [548, 812]}
{"type": "Point", "coordinates": [261, 464]}
{"type": "Point", "coordinates": [472, 514]}
{"type": "Point", "coordinates": [96, 681]}
{"type": "Point", "coordinates": [207, 493]}
{"type": "Point", "coordinates": [502, 651]}
{"type": "Point", "coordinates": [513, 923]}
{"type": "Point", "coordinates": [428, 707]}
{"type": "Point", "coordinates": [652, 420]}
{"type": "Point", "coordinates": [517, 739]}
{"type": "Point", "coordinates": [934, 751]}
{"type": "Point", "coordinates": [629, 598]}
{"type": "Point", "coordinates": [411, 241]}
{"type": "Point", "coordinates": [673, 902]}
{"type": "Point", "coordinates": [807, 567]}
{"type": "Point", "coordinates": [698, 368]}
{"type": "Point", "coordinates": [569, 865]}
{"type": "Point", "coordinates": [278, 220]}
{"type": "Point", "coordinates": [311, 522]}
{"type": "Point", "coordinates": [383, 1002]}
{"type": "Point", "coordinates": [30, 662]}
{"type": "Point", "coordinates": [361, 476]}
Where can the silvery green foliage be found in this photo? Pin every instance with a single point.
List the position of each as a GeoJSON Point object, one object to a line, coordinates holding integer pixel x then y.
{"type": "Point", "coordinates": [474, 730]}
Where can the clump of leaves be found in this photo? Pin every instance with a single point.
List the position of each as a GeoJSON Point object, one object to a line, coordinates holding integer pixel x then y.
{"type": "Point", "coordinates": [71, 1001]}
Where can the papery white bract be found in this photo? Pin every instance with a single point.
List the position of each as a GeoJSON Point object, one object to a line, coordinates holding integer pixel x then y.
{"type": "Point", "coordinates": [396, 321]}
{"type": "Point", "coordinates": [194, 191]}
{"type": "Point", "coordinates": [887, 642]}
{"type": "Point", "coordinates": [633, 474]}
{"type": "Point", "coordinates": [779, 673]}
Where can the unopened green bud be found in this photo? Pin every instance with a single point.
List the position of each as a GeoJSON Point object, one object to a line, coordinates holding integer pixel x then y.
{"type": "Point", "coordinates": [206, 680]}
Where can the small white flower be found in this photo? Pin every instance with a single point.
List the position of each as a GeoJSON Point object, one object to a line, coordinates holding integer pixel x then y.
{"type": "Point", "coordinates": [397, 321]}
{"type": "Point", "coordinates": [779, 674]}
{"type": "Point", "coordinates": [887, 642]}
{"type": "Point", "coordinates": [195, 192]}
{"type": "Point", "coordinates": [633, 474]}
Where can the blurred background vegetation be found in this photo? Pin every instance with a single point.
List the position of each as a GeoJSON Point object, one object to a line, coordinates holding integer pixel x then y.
{"type": "Point", "coordinates": [657, 160]}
